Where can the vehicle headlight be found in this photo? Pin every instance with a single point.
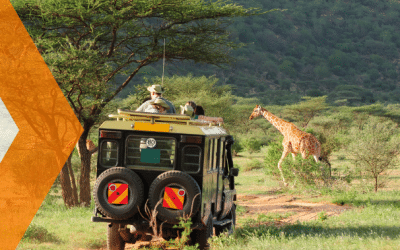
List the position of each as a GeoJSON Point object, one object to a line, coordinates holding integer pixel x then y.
{"type": "Point", "coordinates": [151, 142]}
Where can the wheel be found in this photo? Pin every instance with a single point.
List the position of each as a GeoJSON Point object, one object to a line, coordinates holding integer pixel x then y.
{"type": "Point", "coordinates": [114, 239]}
{"type": "Point", "coordinates": [201, 236]}
{"type": "Point", "coordinates": [134, 198]}
{"type": "Point", "coordinates": [230, 226]}
{"type": "Point", "coordinates": [176, 180]}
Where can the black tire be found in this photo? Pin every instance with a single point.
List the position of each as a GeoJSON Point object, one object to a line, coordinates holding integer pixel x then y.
{"type": "Point", "coordinates": [175, 179]}
{"type": "Point", "coordinates": [230, 226]}
{"type": "Point", "coordinates": [114, 239]}
{"type": "Point", "coordinates": [135, 193]}
{"type": "Point", "coordinates": [201, 236]}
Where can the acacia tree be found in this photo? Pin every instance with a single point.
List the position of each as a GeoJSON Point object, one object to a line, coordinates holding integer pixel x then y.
{"type": "Point", "coordinates": [374, 147]}
{"type": "Point", "coordinates": [87, 43]}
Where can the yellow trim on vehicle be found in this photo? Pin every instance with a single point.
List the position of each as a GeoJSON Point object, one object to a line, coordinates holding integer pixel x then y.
{"type": "Point", "coordinates": [166, 123]}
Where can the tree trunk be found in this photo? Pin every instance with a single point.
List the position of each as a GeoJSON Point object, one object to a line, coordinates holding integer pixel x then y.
{"type": "Point", "coordinates": [68, 193]}
{"type": "Point", "coordinates": [84, 181]}
{"type": "Point", "coordinates": [376, 184]}
{"type": "Point", "coordinates": [72, 175]}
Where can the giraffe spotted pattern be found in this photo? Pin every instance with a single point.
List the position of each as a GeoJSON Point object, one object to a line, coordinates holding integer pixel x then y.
{"type": "Point", "coordinates": [295, 140]}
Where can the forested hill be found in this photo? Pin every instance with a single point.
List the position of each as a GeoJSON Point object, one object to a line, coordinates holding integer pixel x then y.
{"type": "Point", "coordinates": [347, 50]}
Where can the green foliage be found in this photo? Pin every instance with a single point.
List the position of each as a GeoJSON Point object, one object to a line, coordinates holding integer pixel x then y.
{"type": "Point", "coordinates": [274, 153]}
{"type": "Point", "coordinates": [182, 241]}
{"type": "Point", "coordinates": [305, 172]}
{"type": "Point", "coordinates": [314, 47]}
{"type": "Point", "coordinates": [374, 147]}
{"type": "Point", "coordinates": [251, 144]}
{"type": "Point", "coordinates": [322, 216]}
{"type": "Point", "coordinates": [237, 146]}
{"type": "Point", "coordinates": [253, 164]}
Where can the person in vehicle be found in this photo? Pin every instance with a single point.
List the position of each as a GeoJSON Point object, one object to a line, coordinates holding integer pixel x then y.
{"type": "Point", "coordinates": [187, 110]}
{"type": "Point", "coordinates": [199, 110]}
{"type": "Point", "coordinates": [157, 105]}
{"type": "Point", "coordinates": [156, 92]}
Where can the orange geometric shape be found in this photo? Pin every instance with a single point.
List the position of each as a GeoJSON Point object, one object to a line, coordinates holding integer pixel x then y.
{"type": "Point", "coordinates": [48, 128]}
{"type": "Point", "coordinates": [173, 198]}
{"type": "Point", "coordinates": [117, 193]}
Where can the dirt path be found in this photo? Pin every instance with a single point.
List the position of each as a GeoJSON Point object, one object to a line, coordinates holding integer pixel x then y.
{"type": "Point", "coordinates": [299, 209]}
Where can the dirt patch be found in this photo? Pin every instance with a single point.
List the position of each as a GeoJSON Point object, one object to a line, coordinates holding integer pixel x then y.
{"type": "Point", "coordinates": [292, 208]}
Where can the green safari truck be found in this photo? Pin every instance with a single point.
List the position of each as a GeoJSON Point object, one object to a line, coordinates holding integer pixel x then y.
{"type": "Point", "coordinates": [153, 169]}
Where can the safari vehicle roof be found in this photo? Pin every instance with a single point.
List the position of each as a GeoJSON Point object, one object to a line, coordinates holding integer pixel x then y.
{"type": "Point", "coordinates": [168, 123]}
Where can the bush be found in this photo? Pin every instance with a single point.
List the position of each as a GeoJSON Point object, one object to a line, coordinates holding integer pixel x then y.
{"type": "Point", "coordinates": [237, 147]}
{"type": "Point", "coordinates": [252, 145]}
{"type": "Point", "coordinates": [302, 171]}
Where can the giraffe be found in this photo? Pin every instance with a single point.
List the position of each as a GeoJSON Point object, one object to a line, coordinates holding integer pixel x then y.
{"type": "Point", "coordinates": [295, 141]}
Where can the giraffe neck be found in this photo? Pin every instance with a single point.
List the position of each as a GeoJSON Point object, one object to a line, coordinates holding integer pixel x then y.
{"type": "Point", "coordinates": [277, 122]}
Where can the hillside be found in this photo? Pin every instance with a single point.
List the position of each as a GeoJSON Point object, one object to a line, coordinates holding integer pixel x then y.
{"type": "Point", "coordinates": [347, 50]}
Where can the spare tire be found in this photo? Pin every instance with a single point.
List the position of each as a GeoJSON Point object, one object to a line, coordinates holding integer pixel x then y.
{"type": "Point", "coordinates": [134, 198]}
{"type": "Point", "coordinates": [177, 180]}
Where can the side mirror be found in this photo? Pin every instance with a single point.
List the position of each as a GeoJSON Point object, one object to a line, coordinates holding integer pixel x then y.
{"type": "Point", "coordinates": [234, 172]}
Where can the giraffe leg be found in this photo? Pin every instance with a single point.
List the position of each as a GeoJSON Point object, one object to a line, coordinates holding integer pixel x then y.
{"type": "Point", "coordinates": [284, 154]}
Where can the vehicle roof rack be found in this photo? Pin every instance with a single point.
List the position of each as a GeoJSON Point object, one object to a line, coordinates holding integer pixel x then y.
{"type": "Point", "coordinates": [129, 115]}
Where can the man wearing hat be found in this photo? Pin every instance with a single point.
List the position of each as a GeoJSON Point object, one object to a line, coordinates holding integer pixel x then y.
{"type": "Point", "coordinates": [156, 93]}
{"type": "Point", "coordinates": [158, 105]}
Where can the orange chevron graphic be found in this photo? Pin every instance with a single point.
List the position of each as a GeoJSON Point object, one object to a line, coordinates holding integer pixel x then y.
{"type": "Point", "coordinates": [48, 128]}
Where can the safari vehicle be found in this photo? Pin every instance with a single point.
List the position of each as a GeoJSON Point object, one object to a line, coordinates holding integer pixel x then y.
{"type": "Point", "coordinates": [154, 169]}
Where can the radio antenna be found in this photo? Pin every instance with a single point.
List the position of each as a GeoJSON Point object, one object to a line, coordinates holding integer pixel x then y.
{"type": "Point", "coordinates": [162, 78]}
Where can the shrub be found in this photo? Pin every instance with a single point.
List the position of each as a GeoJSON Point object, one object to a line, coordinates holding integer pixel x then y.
{"type": "Point", "coordinates": [252, 145]}
{"type": "Point", "coordinates": [303, 171]}
{"type": "Point", "coordinates": [253, 164]}
{"type": "Point", "coordinates": [237, 146]}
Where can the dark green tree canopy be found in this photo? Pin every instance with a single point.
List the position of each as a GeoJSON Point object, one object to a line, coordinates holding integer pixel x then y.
{"type": "Point", "coordinates": [88, 43]}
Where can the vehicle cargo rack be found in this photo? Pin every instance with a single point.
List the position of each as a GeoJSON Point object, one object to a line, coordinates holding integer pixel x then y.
{"type": "Point", "coordinates": [129, 115]}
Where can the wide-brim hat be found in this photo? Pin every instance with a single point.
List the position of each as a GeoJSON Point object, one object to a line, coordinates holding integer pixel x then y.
{"type": "Point", "coordinates": [187, 110]}
{"type": "Point", "coordinates": [156, 88]}
{"type": "Point", "coordinates": [160, 102]}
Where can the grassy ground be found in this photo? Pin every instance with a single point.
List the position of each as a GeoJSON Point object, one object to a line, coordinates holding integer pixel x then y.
{"type": "Point", "coordinates": [55, 227]}
{"type": "Point", "coordinates": [374, 223]}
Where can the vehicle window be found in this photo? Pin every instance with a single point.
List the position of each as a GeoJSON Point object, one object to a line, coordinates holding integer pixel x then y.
{"type": "Point", "coordinates": [150, 151]}
{"type": "Point", "coordinates": [221, 154]}
{"type": "Point", "coordinates": [211, 154]}
{"type": "Point", "coordinates": [215, 153]}
{"type": "Point", "coordinates": [191, 158]}
{"type": "Point", "coordinates": [109, 153]}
